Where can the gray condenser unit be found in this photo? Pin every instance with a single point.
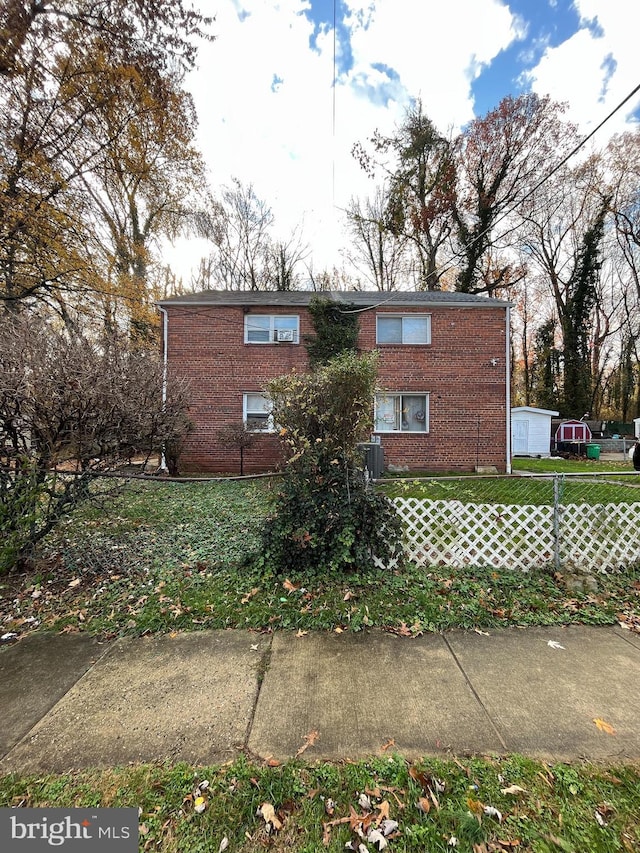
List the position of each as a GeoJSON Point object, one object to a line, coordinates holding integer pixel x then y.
{"type": "Point", "coordinates": [373, 455]}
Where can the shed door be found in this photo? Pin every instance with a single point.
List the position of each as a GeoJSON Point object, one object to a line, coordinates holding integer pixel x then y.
{"type": "Point", "coordinates": [521, 436]}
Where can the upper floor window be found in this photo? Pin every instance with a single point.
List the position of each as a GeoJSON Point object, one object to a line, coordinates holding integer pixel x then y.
{"type": "Point", "coordinates": [271, 329]}
{"type": "Point", "coordinates": [403, 329]}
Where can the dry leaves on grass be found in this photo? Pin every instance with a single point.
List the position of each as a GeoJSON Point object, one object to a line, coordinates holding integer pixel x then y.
{"type": "Point", "coordinates": [268, 812]}
{"type": "Point", "coordinates": [247, 598]}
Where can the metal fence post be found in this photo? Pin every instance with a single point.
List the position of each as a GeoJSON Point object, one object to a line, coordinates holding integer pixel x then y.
{"type": "Point", "coordinates": [556, 522]}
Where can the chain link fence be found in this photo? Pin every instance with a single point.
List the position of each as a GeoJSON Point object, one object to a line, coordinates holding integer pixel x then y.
{"type": "Point", "coordinates": [570, 522]}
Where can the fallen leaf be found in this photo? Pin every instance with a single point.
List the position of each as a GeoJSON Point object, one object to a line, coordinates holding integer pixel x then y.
{"type": "Point", "coordinates": [493, 812]}
{"type": "Point", "coordinates": [554, 644]}
{"type": "Point", "coordinates": [475, 806]}
{"type": "Point", "coordinates": [424, 805]}
{"type": "Point", "coordinates": [290, 587]}
{"type": "Point", "coordinates": [269, 814]}
{"type": "Point", "coordinates": [482, 633]}
{"type": "Point", "coordinates": [338, 630]}
{"type": "Point", "coordinates": [273, 762]}
{"type": "Point", "coordinates": [250, 595]}
{"type": "Point", "coordinates": [377, 838]}
{"type": "Point", "coordinates": [223, 845]}
{"type": "Point", "coordinates": [348, 595]}
{"type": "Point", "coordinates": [75, 582]}
{"type": "Point", "coordinates": [301, 633]}
{"type": "Point", "coordinates": [604, 727]}
{"type": "Point", "coordinates": [309, 739]}
{"type": "Point", "coordinates": [391, 742]}
{"type": "Point", "coordinates": [364, 802]}
{"type": "Point", "coordinates": [513, 789]}
{"type": "Point", "coordinates": [383, 812]}
{"type": "Point", "coordinates": [255, 647]}
{"type": "Point", "coordinates": [388, 827]}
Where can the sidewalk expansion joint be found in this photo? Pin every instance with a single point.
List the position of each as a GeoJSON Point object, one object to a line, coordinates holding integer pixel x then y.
{"type": "Point", "coordinates": [261, 674]}
{"type": "Point", "coordinates": [475, 693]}
{"type": "Point", "coordinates": [108, 647]}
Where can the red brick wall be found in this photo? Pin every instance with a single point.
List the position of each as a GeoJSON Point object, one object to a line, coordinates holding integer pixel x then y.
{"type": "Point", "coordinates": [467, 423]}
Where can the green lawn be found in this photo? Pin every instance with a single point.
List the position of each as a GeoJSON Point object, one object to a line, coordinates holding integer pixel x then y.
{"type": "Point", "coordinates": [570, 466]}
{"type": "Point", "coordinates": [168, 557]}
{"type": "Point", "coordinates": [437, 805]}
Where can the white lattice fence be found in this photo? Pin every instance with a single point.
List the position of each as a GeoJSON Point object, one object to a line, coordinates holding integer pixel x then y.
{"type": "Point", "coordinates": [600, 536]}
{"type": "Point", "coordinates": [452, 533]}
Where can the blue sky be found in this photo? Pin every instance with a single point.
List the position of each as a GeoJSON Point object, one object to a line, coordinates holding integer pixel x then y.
{"type": "Point", "coordinates": [271, 115]}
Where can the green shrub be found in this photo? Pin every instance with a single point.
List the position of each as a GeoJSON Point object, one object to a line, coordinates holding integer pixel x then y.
{"type": "Point", "coordinates": [327, 520]}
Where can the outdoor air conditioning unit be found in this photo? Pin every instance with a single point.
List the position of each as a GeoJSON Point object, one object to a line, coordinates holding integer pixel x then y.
{"type": "Point", "coordinates": [283, 335]}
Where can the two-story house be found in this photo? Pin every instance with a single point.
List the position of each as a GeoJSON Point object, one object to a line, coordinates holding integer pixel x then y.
{"type": "Point", "coordinates": [443, 400]}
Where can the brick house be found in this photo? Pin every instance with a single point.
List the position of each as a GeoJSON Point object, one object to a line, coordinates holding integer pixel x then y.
{"type": "Point", "coordinates": [443, 401]}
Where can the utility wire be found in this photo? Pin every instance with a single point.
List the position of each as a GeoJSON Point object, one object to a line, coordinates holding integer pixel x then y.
{"type": "Point", "coordinates": [443, 266]}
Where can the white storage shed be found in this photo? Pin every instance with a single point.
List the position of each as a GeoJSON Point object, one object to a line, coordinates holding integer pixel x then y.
{"type": "Point", "coordinates": [531, 431]}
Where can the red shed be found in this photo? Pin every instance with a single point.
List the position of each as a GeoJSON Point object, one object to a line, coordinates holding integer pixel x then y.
{"type": "Point", "coordinates": [573, 431]}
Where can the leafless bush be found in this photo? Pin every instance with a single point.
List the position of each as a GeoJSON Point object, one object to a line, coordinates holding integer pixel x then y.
{"type": "Point", "coordinates": [72, 406]}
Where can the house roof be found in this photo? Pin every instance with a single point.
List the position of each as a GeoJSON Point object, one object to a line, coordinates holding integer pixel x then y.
{"type": "Point", "coordinates": [360, 298]}
{"type": "Point", "coordinates": [535, 411]}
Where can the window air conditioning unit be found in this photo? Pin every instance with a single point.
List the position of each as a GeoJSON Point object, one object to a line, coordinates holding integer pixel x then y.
{"type": "Point", "coordinates": [283, 335]}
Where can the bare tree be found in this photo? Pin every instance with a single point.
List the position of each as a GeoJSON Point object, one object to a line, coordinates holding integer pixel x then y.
{"type": "Point", "coordinates": [71, 407]}
{"type": "Point", "coordinates": [380, 255]}
{"type": "Point", "coordinates": [241, 233]}
{"type": "Point", "coordinates": [420, 182]}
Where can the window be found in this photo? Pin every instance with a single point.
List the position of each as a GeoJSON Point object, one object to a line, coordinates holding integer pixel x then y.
{"type": "Point", "coordinates": [403, 329]}
{"type": "Point", "coordinates": [271, 329]}
{"type": "Point", "coordinates": [402, 413]}
{"type": "Point", "coordinates": [257, 413]}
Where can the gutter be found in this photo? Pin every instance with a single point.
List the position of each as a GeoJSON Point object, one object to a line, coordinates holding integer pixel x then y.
{"type": "Point", "coordinates": [508, 385]}
{"type": "Point", "coordinates": [165, 359]}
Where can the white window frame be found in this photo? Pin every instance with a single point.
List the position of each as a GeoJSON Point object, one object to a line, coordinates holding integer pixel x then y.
{"type": "Point", "coordinates": [388, 395]}
{"type": "Point", "coordinates": [403, 317]}
{"type": "Point", "coordinates": [252, 412]}
{"type": "Point", "coordinates": [273, 327]}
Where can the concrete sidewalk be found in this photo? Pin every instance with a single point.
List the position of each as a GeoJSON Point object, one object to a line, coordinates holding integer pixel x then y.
{"type": "Point", "coordinates": [69, 702]}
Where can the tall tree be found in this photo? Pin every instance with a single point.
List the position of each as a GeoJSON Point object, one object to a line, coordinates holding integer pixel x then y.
{"type": "Point", "coordinates": [420, 177]}
{"type": "Point", "coordinates": [159, 33]}
{"type": "Point", "coordinates": [564, 225]}
{"type": "Point", "coordinates": [546, 366]}
{"type": "Point", "coordinates": [147, 184]}
{"type": "Point", "coordinates": [242, 238]}
{"type": "Point", "coordinates": [378, 253]}
{"type": "Point", "coordinates": [66, 65]}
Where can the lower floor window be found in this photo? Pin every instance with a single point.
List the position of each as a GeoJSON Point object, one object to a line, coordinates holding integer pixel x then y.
{"type": "Point", "coordinates": [257, 413]}
{"type": "Point", "coordinates": [395, 412]}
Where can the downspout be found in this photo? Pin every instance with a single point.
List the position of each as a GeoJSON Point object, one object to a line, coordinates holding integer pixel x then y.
{"type": "Point", "coordinates": [165, 354]}
{"type": "Point", "coordinates": [508, 384]}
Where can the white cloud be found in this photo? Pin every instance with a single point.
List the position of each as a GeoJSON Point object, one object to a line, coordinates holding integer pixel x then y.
{"type": "Point", "coordinates": [265, 96]}
{"type": "Point", "coordinates": [436, 49]}
{"type": "Point", "coordinates": [597, 67]}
